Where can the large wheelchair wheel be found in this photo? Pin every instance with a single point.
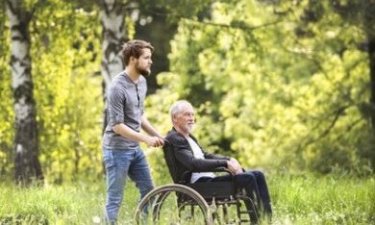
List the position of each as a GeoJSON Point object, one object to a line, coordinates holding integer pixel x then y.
{"type": "Point", "coordinates": [173, 204]}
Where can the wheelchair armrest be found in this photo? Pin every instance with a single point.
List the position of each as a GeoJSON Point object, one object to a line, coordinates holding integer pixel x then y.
{"type": "Point", "coordinates": [222, 169]}
{"type": "Point", "coordinates": [217, 169]}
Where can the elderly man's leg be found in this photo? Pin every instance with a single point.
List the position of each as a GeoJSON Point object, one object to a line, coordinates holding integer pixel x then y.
{"type": "Point", "coordinates": [263, 191]}
{"type": "Point", "coordinates": [248, 183]}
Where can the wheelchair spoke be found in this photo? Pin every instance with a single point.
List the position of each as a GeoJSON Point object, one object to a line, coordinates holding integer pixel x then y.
{"type": "Point", "coordinates": [175, 205]}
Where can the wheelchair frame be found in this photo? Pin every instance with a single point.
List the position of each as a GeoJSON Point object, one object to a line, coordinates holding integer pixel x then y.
{"type": "Point", "coordinates": [205, 197]}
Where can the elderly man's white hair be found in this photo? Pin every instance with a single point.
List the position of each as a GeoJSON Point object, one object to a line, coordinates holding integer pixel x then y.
{"type": "Point", "coordinates": [177, 107]}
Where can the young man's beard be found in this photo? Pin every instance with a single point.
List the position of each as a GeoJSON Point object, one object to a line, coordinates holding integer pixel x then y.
{"type": "Point", "coordinates": [142, 71]}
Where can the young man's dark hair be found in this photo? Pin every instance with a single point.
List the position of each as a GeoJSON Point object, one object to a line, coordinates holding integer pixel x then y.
{"type": "Point", "coordinates": [134, 48]}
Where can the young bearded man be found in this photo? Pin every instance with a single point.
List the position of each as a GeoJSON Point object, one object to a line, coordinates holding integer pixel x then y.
{"type": "Point", "coordinates": [125, 106]}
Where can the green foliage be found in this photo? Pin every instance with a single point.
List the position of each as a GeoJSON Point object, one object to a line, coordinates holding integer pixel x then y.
{"type": "Point", "coordinates": [67, 90]}
{"type": "Point", "coordinates": [64, 50]}
{"type": "Point", "coordinates": [175, 10]}
{"type": "Point", "coordinates": [280, 86]}
{"type": "Point", "coordinates": [6, 107]}
{"type": "Point", "coordinates": [273, 96]}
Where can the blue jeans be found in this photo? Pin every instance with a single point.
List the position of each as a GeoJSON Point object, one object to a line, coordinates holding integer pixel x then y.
{"type": "Point", "coordinates": [118, 164]}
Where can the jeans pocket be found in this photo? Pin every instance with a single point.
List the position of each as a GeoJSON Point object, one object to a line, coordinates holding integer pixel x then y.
{"type": "Point", "coordinates": [109, 162]}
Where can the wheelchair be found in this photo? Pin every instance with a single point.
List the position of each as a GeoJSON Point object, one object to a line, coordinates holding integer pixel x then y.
{"type": "Point", "coordinates": [195, 203]}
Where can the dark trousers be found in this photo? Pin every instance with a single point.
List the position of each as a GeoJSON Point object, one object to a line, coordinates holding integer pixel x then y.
{"type": "Point", "coordinates": [253, 182]}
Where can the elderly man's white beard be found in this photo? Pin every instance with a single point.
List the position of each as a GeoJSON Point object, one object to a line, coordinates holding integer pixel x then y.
{"type": "Point", "coordinates": [190, 127]}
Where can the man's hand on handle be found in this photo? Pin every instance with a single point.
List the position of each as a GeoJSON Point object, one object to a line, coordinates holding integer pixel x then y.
{"type": "Point", "coordinates": [154, 141]}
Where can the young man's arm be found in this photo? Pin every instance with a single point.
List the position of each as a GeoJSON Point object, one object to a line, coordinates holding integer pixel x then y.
{"type": "Point", "coordinates": [116, 98]}
{"type": "Point", "coordinates": [149, 129]}
{"type": "Point", "coordinates": [146, 126]}
{"type": "Point", "coordinates": [125, 131]}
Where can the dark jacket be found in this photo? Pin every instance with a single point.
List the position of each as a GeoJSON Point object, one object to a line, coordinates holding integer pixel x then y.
{"type": "Point", "coordinates": [181, 161]}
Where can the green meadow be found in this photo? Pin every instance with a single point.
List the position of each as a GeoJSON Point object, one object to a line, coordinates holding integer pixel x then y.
{"type": "Point", "coordinates": [297, 199]}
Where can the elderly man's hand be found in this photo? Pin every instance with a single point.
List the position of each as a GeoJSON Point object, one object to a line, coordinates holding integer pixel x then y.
{"type": "Point", "coordinates": [234, 167]}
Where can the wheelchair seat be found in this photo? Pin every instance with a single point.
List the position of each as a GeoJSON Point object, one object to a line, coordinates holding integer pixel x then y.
{"type": "Point", "coordinates": [218, 190]}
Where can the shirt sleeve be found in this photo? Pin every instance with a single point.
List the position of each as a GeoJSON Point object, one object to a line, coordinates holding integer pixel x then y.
{"type": "Point", "coordinates": [144, 93]}
{"type": "Point", "coordinates": [185, 156]}
{"type": "Point", "coordinates": [116, 103]}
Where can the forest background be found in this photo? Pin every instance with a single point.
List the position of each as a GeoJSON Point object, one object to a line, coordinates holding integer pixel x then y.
{"type": "Point", "coordinates": [286, 86]}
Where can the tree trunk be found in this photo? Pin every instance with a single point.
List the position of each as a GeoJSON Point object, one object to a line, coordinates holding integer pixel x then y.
{"type": "Point", "coordinates": [26, 146]}
{"type": "Point", "coordinates": [371, 53]}
{"type": "Point", "coordinates": [369, 27]}
{"type": "Point", "coordinates": [112, 18]}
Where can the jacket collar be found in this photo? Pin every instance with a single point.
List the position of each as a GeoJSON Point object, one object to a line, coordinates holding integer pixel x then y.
{"type": "Point", "coordinates": [190, 135]}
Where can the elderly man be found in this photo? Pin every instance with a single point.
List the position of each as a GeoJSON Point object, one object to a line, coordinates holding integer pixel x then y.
{"type": "Point", "coordinates": [191, 157]}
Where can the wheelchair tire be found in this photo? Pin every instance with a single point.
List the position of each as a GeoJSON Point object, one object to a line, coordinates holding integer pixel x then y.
{"type": "Point", "coordinates": [159, 206]}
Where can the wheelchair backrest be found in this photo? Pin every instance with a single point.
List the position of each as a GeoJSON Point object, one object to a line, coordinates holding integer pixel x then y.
{"type": "Point", "coordinates": [170, 159]}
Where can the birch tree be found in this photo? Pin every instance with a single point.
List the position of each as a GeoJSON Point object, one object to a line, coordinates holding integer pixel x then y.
{"type": "Point", "coordinates": [112, 18]}
{"type": "Point", "coordinates": [26, 146]}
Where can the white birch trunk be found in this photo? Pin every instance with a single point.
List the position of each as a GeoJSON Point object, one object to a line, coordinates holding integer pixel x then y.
{"type": "Point", "coordinates": [26, 146]}
{"type": "Point", "coordinates": [112, 14]}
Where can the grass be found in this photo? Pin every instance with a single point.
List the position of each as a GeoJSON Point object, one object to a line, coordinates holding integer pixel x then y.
{"type": "Point", "coordinates": [297, 199]}
{"type": "Point", "coordinates": [310, 199]}
{"type": "Point", "coordinates": [68, 204]}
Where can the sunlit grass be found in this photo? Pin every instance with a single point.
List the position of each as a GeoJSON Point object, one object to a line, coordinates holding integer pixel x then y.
{"type": "Point", "coordinates": [308, 199]}
{"type": "Point", "coordinates": [297, 199]}
{"type": "Point", "coordinates": [68, 204]}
